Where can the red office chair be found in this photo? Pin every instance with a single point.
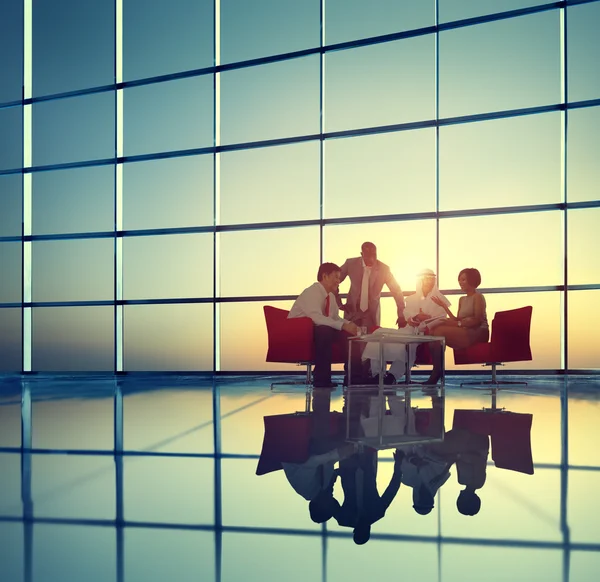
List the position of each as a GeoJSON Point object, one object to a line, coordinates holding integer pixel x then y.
{"type": "Point", "coordinates": [509, 343]}
{"type": "Point", "coordinates": [291, 341]}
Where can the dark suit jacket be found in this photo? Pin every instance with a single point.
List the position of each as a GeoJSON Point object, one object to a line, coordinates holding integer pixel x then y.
{"type": "Point", "coordinates": [380, 276]}
{"type": "Point", "coordinates": [363, 468]}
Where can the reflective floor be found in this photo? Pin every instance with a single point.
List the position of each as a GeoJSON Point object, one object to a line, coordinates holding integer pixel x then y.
{"type": "Point", "coordinates": [183, 501]}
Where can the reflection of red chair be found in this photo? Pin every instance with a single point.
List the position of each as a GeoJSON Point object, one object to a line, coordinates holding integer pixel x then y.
{"type": "Point", "coordinates": [509, 343]}
{"type": "Point", "coordinates": [510, 434]}
{"type": "Point", "coordinates": [287, 439]}
{"type": "Point", "coordinates": [291, 342]}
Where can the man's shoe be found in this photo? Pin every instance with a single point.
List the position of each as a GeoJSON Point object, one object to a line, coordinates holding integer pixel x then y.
{"type": "Point", "coordinates": [389, 379]}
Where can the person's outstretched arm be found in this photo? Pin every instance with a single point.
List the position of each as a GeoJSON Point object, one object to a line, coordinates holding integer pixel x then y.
{"type": "Point", "coordinates": [392, 488]}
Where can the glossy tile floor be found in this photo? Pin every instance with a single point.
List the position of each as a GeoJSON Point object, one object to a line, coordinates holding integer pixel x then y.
{"type": "Point", "coordinates": [168, 509]}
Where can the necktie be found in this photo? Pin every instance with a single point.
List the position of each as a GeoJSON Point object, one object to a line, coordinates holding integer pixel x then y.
{"type": "Point", "coordinates": [364, 291]}
{"type": "Point", "coordinates": [326, 310]}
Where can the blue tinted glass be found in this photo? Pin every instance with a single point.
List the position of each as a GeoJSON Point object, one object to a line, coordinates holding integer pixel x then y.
{"type": "Point", "coordinates": [459, 9]}
{"type": "Point", "coordinates": [366, 176]}
{"type": "Point", "coordinates": [174, 115]}
{"type": "Point", "coordinates": [282, 182]}
{"type": "Point", "coordinates": [11, 43]}
{"type": "Point", "coordinates": [73, 45]}
{"type": "Point", "coordinates": [74, 200]}
{"type": "Point", "coordinates": [168, 337]}
{"type": "Point", "coordinates": [347, 20]}
{"type": "Point", "coordinates": [583, 51]}
{"type": "Point", "coordinates": [73, 270]}
{"type": "Point", "coordinates": [11, 204]}
{"type": "Point", "coordinates": [169, 193]}
{"type": "Point", "coordinates": [73, 338]}
{"type": "Point", "coordinates": [10, 272]}
{"type": "Point", "coordinates": [583, 153]}
{"type": "Point", "coordinates": [270, 101]}
{"type": "Point", "coordinates": [74, 129]}
{"type": "Point", "coordinates": [381, 84]}
{"type": "Point", "coordinates": [11, 340]}
{"type": "Point", "coordinates": [11, 144]}
{"type": "Point", "coordinates": [266, 27]}
{"type": "Point", "coordinates": [511, 162]}
{"type": "Point", "coordinates": [500, 65]}
{"type": "Point", "coordinates": [166, 36]}
{"type": "Point", "coordinates": [167, 266]}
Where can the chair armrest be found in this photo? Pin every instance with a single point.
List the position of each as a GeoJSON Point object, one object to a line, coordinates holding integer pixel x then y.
{"type": "Point", "coordinates": [291, 340]}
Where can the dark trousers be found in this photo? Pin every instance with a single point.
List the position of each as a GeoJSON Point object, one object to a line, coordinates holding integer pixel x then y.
{"type": "Point", "coordinates": [325, 337]}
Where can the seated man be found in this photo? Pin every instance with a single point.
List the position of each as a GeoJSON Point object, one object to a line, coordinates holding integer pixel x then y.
{"type": "Point", "coordinates": [318, 302]}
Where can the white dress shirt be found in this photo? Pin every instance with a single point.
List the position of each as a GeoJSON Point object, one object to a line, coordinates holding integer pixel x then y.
{"type": "Point", "coordinates": [311, 303]}
{"type": "Point", "coordinates": [306, 478]}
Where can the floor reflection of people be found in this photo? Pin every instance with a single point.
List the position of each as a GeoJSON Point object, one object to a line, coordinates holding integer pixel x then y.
{"type": "Point", "coordinates": [426, 468]}
{"type": "Point", "coordinates": [363, 506]}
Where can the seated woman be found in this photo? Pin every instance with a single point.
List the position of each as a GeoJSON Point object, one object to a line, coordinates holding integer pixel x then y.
{"type": "Point", "coordinates": [468, 327]}
{"type": "Point", "coordinates": [423, 312]}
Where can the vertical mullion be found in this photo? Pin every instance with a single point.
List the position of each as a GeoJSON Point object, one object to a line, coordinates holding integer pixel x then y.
{"type": "Point", "coordinates": [564, 193]}
{"type": "Point", "coordinates": [321, 124]}
{"type": "Point", "coordinates": [437, 139]}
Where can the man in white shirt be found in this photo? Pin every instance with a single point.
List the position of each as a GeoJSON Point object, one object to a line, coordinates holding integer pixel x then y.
{"type": "Point", "coordinates": [319, 303]}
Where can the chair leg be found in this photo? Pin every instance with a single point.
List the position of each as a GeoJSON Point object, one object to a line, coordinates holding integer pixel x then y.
{"type": "Point", "coordinates": [494, 381]}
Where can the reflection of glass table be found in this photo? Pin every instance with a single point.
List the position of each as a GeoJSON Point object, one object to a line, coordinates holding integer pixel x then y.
{"type": "Point", "coordinates": [368, 423]}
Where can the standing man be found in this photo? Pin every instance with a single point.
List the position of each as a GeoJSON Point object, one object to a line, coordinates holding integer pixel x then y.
{"type": "Point", "coordinates": [319, 303]}
{"type": "Point", "coordinates": [367, 278]}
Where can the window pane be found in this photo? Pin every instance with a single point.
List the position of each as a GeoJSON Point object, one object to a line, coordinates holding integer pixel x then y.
{"type": "Point", "coordinates": [74, 129]}
{"type": "Point", "coordinates": [268, 262]}
{"type": "Point", "coordinates": [244, 347]}
{"type": "Point", "coordinates": [459, 9]}
{"type": "Point", "coordinates": [267, 27]}
{"type": "Point", "coordinates": [347, 20]}
{"type": "Point", "coordinates": [72, 414]}
{"type": "Point", "coordinates": [583, 152]}
{"type": "Point", "coordinates": [500, 65]}
{"type": "Point", "coordinates": [166, 36]}
{"type": "Point", "coordinates": [11, 340]}
{"type": "Point", "coordinates": [11, 270]}
{"type": "Point", "coordinates": [545, 336]}
{"type": "Point", "coordinates": [509, 250]}
{"type": "Point", "coordinates": [77, 200]}
{"type": "Point", "coordinates": [584, 240]}
{"type": "Point", "coordinates": [388, 83]}
{"type": "Point", "coordinates": [395, 248]}
{"type": "Point", "coordinates": [365, 176]}
{"type": "Point", "coordinates": [583, 516]}
{"type": "Point", "coordinates": [583, 46]}
{"type": "Point", "coordinates": [169, 116]}
{"type": "Point", "coordinates": [11, 145]}
{"type": "Point", "coordinates": [73, 270]}
{"type": "Point", "coordinates": [11, 204]}
{"type": "Point", "coordinates": [11, 502]}
{"type": "Point", "coordinates": [11, 43]}
{"type": "Point", "coordinates": [168, 337]}
{"type": "Point", "coordinates": [510, 162]}
{"type": "Point", "coordinates": [270, 101]}
{"type": "Point", "coordinates": [73, 45]}
{"type": "Point", "coordinates": [282, 183]}
{"type": "Point", "coordinates": [73, 339]}
{"type": "Point", "coordinates": [161, 267]}
{"type": "Point", "coordinates": [169, 193]}
{"type": "Point", "coordinates": [584, 330]}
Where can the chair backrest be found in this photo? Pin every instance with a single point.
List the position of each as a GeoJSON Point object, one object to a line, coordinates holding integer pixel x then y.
{"type": "Point", "coordinates": [510, 335]}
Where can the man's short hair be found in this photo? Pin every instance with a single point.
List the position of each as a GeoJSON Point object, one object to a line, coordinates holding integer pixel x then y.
{"type": "Point", "coordinates": [473, 277]}
{"type": "Point", "coordinates": [368, 246]}
{"type": "Point", "coordinates": [326, 269]}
